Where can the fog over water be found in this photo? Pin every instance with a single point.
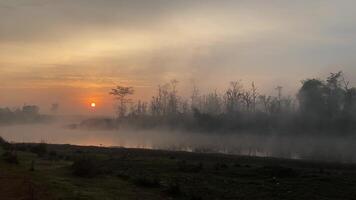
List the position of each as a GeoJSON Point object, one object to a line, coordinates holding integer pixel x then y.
{"type": "Point", "coordinates": [326, 148]}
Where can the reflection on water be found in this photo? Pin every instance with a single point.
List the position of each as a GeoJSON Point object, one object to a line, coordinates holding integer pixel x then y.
{"type": "Point", "coordinates": [302, 147]}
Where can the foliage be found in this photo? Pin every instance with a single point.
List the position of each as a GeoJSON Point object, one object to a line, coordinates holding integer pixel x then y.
{"type": "Point", "coordinates": [121, 93]}
{"type": "Point", "coordinates": [328, 104]}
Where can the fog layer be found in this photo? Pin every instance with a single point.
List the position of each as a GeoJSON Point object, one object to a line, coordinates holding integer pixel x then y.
{"type": "Point", "coordinates": [283, 146]}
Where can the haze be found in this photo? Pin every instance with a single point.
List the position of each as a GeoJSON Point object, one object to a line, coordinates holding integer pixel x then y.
{"type": "Point", "coordinates": [73, 52]}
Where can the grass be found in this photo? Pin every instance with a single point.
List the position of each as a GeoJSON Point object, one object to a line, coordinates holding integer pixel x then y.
{"type": "Point", "coordinates": [147, 174]}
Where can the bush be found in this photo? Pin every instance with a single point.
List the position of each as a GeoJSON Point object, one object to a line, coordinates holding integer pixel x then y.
{"type": "Point", "coordinates": [85, 167]}
{"type": "Point", "coordinates": [10, 157]}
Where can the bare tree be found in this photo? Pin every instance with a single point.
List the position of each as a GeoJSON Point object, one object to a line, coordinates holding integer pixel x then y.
{"type": "Point", "coordinates": [254, 96]}
{"type": "Point", "coordinates": [247, 100]}
{"type": "Point", "coordinates": [279, 98]}
{"type": "Point", "coordinates": [195, 98]}
{"type": "Point", "coordinates": [266, 102]}
{"type": "Point", "coordinates": [233, 96]}
{"type": "Point", "coordinates": [121, 93]}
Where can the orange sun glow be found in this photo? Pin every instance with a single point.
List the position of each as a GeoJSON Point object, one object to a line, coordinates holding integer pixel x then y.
{"type": "Point", "coordinates": [93, 105]}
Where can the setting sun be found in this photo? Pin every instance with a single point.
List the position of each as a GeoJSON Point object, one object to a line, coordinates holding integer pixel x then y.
{"type": "Point", "coordinates": [93, 105]}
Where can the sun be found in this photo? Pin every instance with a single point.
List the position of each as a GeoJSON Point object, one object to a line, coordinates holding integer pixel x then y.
{"type": "Point", "coordinates": [93, 104]}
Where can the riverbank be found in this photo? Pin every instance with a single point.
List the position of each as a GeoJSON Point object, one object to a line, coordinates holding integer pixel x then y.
{"type": "Point", "coordinates": [79, 172]}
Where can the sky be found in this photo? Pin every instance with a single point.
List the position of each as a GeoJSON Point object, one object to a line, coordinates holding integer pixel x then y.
{"type": "Point", "coordinates": [72, 52]}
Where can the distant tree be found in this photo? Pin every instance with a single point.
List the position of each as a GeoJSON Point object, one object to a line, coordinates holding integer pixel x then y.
{"type": "Point", "coordinates": [173, 100]}
{"type": "Point", "coordinates": [167, 101]}
{"type": "Point", "coordinates": [334, 93]}
{"type": "Point", "coordinates": [121, 93]}
{"type": "Point", "coordinates": [233, 97]}
{"type": "Point", "coordinates": [350, 102]}
{"type": "Point", "coordinates": [246, 98]}
{"type": "Point", "coordinates": [266, 102]}
{"type": "Point", "coordinates": [279, 98]}
{"type": "Point", "coordinates": [30, 110]}
{"type": "Point", "coordinates": [212, 103]}
{"type": "Point", "coordinates": [254, 96]}
{"type": "Point", "coordinates": [195, 98]}
{"type": "Point", "coordinates": [311, 96]}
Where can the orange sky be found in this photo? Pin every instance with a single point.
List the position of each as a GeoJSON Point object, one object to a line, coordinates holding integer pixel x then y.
{"type": "Point", "coordinates": [73, 52]}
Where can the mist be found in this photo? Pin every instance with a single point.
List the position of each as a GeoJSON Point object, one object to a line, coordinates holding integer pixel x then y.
{"type": "Point", "coordinates": [317, 148]}
{"type": "Point", "coordinates": [317, 124]}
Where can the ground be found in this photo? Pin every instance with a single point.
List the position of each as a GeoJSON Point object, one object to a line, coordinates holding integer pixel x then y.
{"type": "Point", "coordinates": [118, 173]}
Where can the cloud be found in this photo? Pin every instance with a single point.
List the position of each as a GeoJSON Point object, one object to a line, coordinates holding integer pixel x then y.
{"type": "Point", "coordinates": [92, 43]}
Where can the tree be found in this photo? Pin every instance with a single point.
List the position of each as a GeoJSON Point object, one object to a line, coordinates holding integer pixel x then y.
{"type": "Point", "coordinates": [254, 96]}
{"type": "Point", "coordinates": [312, 99]}
{"type": "Point", "coordinates": [266, 102]}
{"type": "Point", "coordinates": [166, 102]}
{"type": "Point", "coordinates": [279, 100]}
{"type": "Point", "coordinates": [233, 96]}
{"type": "Point", "coordinates": [121, 93]}
{"type": "Point", "coordinates": [335, 94]}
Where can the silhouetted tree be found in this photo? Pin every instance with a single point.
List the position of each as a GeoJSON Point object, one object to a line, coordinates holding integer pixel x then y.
{"type": "Point", "coordinates": [311, 98]}
{"type": "Point", "coordinates": [233, 97]}
{"type": "Point", "coordinates": [121, 93]}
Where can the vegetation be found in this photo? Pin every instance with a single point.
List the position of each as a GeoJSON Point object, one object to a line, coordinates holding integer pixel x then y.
{"type": "Point", "coordinates": [85, 167]}
{"type": "Point", "coordinates": [40, 149]}
{"type": "Point", "coordinates": [149, 174]}
{"type": "Point", "coordinates": [27, 114]}
{"type": "Point", "coordinates": [320, 106]}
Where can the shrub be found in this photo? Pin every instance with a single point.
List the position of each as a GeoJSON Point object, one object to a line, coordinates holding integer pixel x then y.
{"type": "Point", "coordinates": [10, 157]}
{"type": "Point", "coordinates": [85, 167]}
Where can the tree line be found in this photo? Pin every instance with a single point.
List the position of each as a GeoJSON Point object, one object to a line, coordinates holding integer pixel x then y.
{"type": "Point", "coordinates": [26, 114]}
{"type": "Point", "coordinates": [320, 105]}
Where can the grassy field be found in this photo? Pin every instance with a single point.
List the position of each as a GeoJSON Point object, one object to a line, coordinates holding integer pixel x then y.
{"type": "Point", "coordinates": [75, 172]}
